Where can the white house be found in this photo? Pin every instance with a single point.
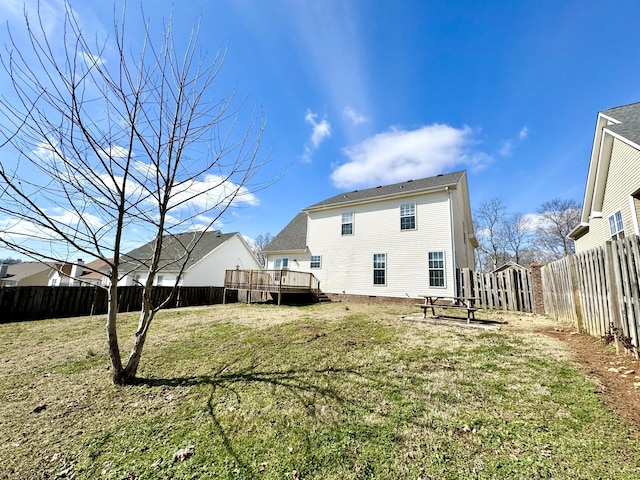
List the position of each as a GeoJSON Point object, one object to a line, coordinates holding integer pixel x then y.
{"type": "Point", "coordinates": [611, 206]}
{"type": "Point", "coordinates": [399, 240]}
{"type": "Point", "coordinates": [214, 253]}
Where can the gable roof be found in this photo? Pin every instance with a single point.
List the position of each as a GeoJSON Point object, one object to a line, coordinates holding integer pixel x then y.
{"type": "Point", "coordinates": [397, 189]}
{"type": "Point", "coordinates": [292, 237]}
{"type": "Point", "coordinates": [21, 270]}
{"type": "Point", "coordinates": [628, 117]}
{"type": "Point", "coordinates": [174, 250]}
{"type": "Point", "coordinates": [622, 123]}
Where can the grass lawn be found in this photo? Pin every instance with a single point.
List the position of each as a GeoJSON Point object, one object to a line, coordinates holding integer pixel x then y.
{"type": "Point", "coordinates": [329, 391]}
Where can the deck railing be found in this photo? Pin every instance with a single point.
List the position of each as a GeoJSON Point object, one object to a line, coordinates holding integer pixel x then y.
{"type": "Point", "coordinates": [273, 281]}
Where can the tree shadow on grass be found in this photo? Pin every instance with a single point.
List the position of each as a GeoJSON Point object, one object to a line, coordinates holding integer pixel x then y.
{"type": "Point", "coordinates": [299, 383]}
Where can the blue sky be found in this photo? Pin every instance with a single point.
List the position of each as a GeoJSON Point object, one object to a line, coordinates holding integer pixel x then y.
{"type": "Point", "coordinates": [363, 93]}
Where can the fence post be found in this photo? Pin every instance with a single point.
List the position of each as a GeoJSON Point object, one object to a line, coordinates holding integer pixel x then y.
{"type": "Point", "coordinates": [611, 272]}
{"type": "Point", "coordinates": [577, 305]}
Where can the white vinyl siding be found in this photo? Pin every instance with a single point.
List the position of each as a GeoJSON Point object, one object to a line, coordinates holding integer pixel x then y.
{"type": "Point", "coordinates": [347, 261]}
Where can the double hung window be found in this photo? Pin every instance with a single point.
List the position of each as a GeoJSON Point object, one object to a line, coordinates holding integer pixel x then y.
{"type": "Point", "coordinates": [347, 223]}
{"type": "Point", "coordinates": [407, 216]}
{"type": "Point", "coordinates": [616, 227]}
{"type": "Point", "coordinates": [281, 263]}
{"type": "Point", "coordinates": [379, 268]}
{"type": "Point", "coordinates": [316, 261]}
{"type": "Point", "coordinates": [436, 269]}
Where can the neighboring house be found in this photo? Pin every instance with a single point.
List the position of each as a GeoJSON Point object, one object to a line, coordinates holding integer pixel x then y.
{"type": "Point", "coordinates": [78, 274]}
{"type": "Point", "coordinates": [399, 240]}
{"type": "Point", "coordinates": [25, 274]}
{"type": "Point", "coordinates": [214, 253]}
{"type": "Point", "coordinates": [611, 204]}
{"type": "Point", "coordinates": [510, 265]}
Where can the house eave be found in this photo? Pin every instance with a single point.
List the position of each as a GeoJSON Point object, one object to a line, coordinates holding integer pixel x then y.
{"type": "Point", "coordinates": [579, 231]}
{"type": "Point", "coordinates": [413, 193]}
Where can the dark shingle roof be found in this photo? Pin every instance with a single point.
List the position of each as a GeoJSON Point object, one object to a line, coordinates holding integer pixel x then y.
{"type": "Point", "coordinates": [439, 181]}
{"type": "Point", "coordinates": [174, 249]}
{"type": "Point", "coordinates": [629, 116]}
{"type": "Point", "coordinates": [292, 237]}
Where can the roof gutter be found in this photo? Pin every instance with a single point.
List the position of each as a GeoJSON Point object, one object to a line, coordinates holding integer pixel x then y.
{"type": "Point", "coordinates": [412, 193]}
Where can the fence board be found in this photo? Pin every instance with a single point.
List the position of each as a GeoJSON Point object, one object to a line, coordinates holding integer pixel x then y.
{"type": "Point", "coordinates": [507, 290]}
{"type": "Point", "coordinates": [39, 302]}
{"type": "Point", "coordinates": [605, 280]}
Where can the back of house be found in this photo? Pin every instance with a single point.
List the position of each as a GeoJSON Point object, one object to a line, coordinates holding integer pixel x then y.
{"type": "Point", "coordinates": [401, 240]}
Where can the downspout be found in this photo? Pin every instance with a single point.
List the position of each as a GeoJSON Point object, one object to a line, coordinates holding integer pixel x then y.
{"type": "Point", "coordinates": [453, 244]}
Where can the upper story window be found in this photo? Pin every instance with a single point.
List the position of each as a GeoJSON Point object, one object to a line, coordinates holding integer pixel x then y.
{"type": "Point", "coordinates": [347, 223]}
{"type": "Point", "coordinates": [316, 261]}
{"type": "Point", "coordinates": [407, 216]}
{"type": "Point", "coordinates": [436, 269]}
{"type": "Point", "coordinates": [616, 227]}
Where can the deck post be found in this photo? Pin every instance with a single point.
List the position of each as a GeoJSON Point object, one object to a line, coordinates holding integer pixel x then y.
{"type": "Point", "coordinates": [280, 289]}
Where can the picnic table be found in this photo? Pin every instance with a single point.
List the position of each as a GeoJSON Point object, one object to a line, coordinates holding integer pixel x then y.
{"type": "Point", "coordinates": [467, 304]}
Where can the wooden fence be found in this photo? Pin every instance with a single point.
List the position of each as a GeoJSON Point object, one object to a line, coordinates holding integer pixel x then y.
{"type": "Point", "coordinates": [33, 303]}
{"type": "Point", "coordinates": [598, 290]}
{"type": "Point", "coordinates": [509, 289]}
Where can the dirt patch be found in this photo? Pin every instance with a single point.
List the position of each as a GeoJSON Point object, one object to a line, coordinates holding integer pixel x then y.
{"type": "Point", "coordinates": [618, 375]}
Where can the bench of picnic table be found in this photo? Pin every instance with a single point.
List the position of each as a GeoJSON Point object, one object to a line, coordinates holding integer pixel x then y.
{"type": "Point", "coordinates": [455, 303]}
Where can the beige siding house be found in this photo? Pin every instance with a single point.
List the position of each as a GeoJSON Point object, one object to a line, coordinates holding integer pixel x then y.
{"type": "Point", "coordinates": [399, 240]}
{"type": "Point", "coordinates": [612, 195]}
{"type": "Point", "coordinates": [25, 274]}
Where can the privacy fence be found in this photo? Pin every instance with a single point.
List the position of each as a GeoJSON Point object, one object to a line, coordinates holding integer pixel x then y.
{"type": "Point", "coordinates": [33, 303]}
{"type": "Point", "coordinates": [510, 289]}
{"type": "Point", "coordinates": [598, 290]}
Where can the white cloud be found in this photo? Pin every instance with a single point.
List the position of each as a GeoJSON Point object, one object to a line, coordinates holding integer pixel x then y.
{"type": "Point", "coordinates": [211, 191]}
{"type": "Point", "coordinates": [399, 155]}
{"type": "Point", "coordinates": [355, 117]}
{"type": "Point", "coordinates": [507, 147]}
{"type": "Point", "coordinates": [524, 132]}
{"type": "Point", "coordinates": [320, 130]}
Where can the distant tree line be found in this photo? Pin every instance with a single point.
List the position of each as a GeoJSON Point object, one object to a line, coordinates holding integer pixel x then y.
{"type": "Point", "coordinates": [505, 236]}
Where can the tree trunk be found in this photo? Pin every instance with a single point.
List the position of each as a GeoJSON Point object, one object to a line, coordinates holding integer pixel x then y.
{"type": "Point", "coordinates": [112, 336]}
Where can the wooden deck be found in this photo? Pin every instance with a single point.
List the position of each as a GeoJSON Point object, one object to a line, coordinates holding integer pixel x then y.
{"type": "Point", "coordinates": [280, 282]}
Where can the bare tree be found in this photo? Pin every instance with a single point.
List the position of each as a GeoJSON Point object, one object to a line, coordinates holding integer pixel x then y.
{"type": "Point", "coordinates": [516, 233]}
{"type": "Point", "coordinates": [259, 244]}
{"type": "Point", "coordinates": [104, 138]}
{"type": "Point", "coordinates": [558, 218]}
{"type": "Point", "coordinates": [489, 218]}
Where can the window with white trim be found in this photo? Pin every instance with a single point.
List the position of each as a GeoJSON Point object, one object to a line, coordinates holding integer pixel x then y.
{"type": "Point", "coordinates": [316, 261]}
{"type": "Point", "coordinates": [347, 223]}
{"type": "Point", "coordinates": [436, 269]}
{"type": "Point", "coordinates": [159, 279]}
{"type": "Point", "coordinates": [281, 263]}
{"type": "Point", "coordinates": [379, 268]}
{"type": "Point", "coordinates": [407, 216]}
{"type": "Point", "coordinates": [616, 227]}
